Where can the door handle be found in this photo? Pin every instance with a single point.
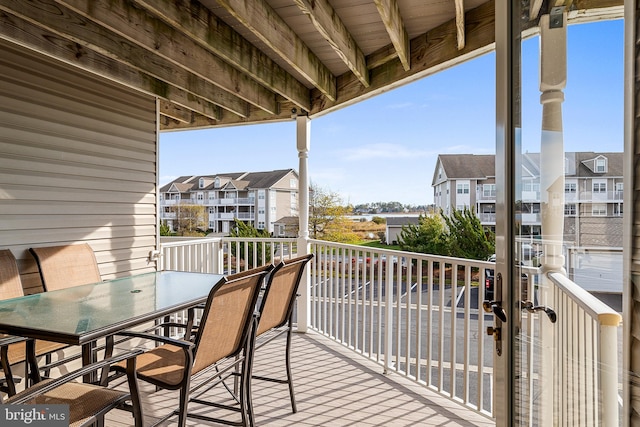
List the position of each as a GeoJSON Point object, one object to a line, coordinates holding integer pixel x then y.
{"type": "Point", "coordinates": [529, 307]}
{"type": "Point", "coordinates": [495, 307]}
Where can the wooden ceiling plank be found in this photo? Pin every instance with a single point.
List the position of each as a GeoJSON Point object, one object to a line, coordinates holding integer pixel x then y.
{"type": "Point", "coordinates": [197, 22]}
{"type": "Point", "coordinates": [259, 18]}
{"type": "Point", "coordinates": [36, 38]}
{"type": "Point", "coordinates": [152, 34]}
{"type": "Point", "coordinates": [328, 23]}
{"type": "Point", "coordinates": [460, 23]}
{"type": "Point", "coordinates": [534, 9]}
{"type": "Point", "coordinates": [175, 112]}
{"type": "Point", "coordinates": [101, 40]}
{"type": "Point", "coordinates": [390, 13]}
{"type": "Point", "coordinates": [431, 52]}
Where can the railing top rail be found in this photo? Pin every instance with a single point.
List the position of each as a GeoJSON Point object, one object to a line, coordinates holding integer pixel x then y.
{"type": "Point", "coordinates": [259, 239]}
{"type": "Point", "coordinates": [416, 255]}
{"type": "Point", "coordinates": [592, 305]}
{"type": "Point", "coordinates": [195, 241]}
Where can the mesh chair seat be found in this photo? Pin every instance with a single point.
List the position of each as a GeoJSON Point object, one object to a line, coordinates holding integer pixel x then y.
{"type": "Point", "coordinates": [88, 403]}
{"type": "Point", "coordinates": [223, 342]}
{"type": "Point", "coordinates": [84, 400]}
{"type": "Point", "coordinates": [11, 287]}
{"type": "Point", "coordinates": [276, 313]}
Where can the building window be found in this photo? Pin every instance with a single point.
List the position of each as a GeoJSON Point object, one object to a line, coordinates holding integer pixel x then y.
{"type": "Point", "coordinates": [462, 188]}
{"type": "Point", "coordinates": [601, 165]}
{"type": "Point", "coordinates": [570, 187]}
{"type": "Point", "coordinates": [599, 209]}
{"type": "Point", "coordinates": [489, 190]}
{"type": "Point", "coordinates": [293, 183]}
{"type": "Point", "coordinates": [201, 183]}
{"type": "Point", "coordinates": [599, 187]}
{"type": "Point", "coordinates": [617, 209]}
{"type": "Point", "coordinates": [489, 209]}
{"type": "Point", "coordinates": [570, 209]}
{"type": "Point", "coordinates": [261, 211]}
{"type": "Point", "coordinates": [260, 194]}
{"type": "Point", "coordinates": [260, 225]}
{"type": "Point", "coordinates": [200, 196]}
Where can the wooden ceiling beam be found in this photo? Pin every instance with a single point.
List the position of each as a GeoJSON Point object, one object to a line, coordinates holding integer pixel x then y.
{"type": "Point", "coordinates": [35, 37]}
{"type": "Point", "coordinates": [431, 52]}
{"type": "Point", "coordinates": [72, 26]}
{"type": "Point", "coordinates": [139, 27]}
{"type": "Point", "coordinates": [263, 22]}
{"type": "Point", "coordinates": [390, 13]}
{"type": "Point", "coordinates": [328, 23]}
{"type": "Point", "coordinates": [460, 23]}
{"type": "Point", "coordinates": [206, 29]}
{"type": "Point", "coordinates": [176, 112]}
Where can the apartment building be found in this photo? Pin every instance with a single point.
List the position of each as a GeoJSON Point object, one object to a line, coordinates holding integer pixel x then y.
{"type": "Point", "coordinates": [593, 195]}
{"type": "Point", "coordinates": [256, 198]}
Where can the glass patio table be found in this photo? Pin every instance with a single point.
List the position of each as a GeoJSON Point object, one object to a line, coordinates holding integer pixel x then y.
{"type": "Point", "coordinates": [83, 314]}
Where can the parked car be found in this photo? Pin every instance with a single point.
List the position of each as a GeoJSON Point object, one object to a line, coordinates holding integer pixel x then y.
{"type": "Point", "coordinates": [489, 279]}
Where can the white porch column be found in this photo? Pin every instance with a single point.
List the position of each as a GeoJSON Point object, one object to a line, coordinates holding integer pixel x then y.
{"type": "Point", "coordinates": [553, 79]}
{"type": "Point", "coordinates": [303, 139]}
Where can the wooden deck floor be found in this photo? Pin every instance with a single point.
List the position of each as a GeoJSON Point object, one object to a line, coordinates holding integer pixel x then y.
{"type": "Point", "coordinates": [334, 387]}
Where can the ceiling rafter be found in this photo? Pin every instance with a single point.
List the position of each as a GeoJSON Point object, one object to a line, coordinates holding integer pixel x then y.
{"type": "Point", "coordinates": [329, 24]}
{"type": "Point", "coordinates": [430, 52]}
{"type": "Point", "coordinates": [176, 112]}
{"type": "Point", "coordinates": [206, 29]}
{"type": "Point", "coordinates": [460, 23]}
{"type": "Point", "coordinates": [259, 18]}
{"type": "Point", "coordinates": [139, 27]}
{"type": "Point", "coordinates": [390, 13]}
{"type": "Point", "coordinates": [42, 40]}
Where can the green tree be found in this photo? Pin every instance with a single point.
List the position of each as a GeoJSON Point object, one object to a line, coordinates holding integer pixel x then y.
{"type": "Point", "coordinates": [466, 237]}
{"type": "Point", "coordinates": [165, 230]}
{"type": "Point", "coordinates": [428, 236]}
{"type": "Point", "coordinates": [325, 208]}
{"type": "Point", "coordinates": [245, 251]}
{"type": "Point", "coordinates": [378, 220]}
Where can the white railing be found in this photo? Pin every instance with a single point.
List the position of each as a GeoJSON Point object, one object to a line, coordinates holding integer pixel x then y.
{"type": "Point", "coordinates": [400, 310]}
{"type": "Point", "coordinates": [586, 357]}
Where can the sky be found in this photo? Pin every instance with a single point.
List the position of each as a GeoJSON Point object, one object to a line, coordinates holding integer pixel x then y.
{"type": "Point", "coordinates": [385, 149]}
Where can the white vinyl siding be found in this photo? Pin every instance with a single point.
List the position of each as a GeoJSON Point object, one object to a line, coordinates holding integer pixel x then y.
{"type": "Point", "coordinates": [77, 164]}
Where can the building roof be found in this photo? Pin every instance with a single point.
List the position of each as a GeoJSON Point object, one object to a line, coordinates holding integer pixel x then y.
{"type": "Point", "coordinates": [402, 220]}
{"type": "Point", "coordinates": [288, 220]}
{"type": "Point", "coordinates": [219, 63]}
{"type": "Point", "coordinates": [237, 180]}
{"type": "Point", "coordinates": [467, 166]}
{"type": "Point", "coordinates": [482, 166]}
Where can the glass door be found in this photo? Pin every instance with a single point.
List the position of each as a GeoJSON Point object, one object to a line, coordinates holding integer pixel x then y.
{"type": "Point", "coordinates": [558, 227]}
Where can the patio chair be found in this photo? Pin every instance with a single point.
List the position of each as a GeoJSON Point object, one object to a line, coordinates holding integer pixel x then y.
{"type": "Point", "coordinates": [87, 403]}
{"type": "Point", "coordinates": [66, 266]}
{"type": "Point", "coordinates": [13, 349]}
{"type": "Point", "coordinates": [220, 349]}
{"type": "Point", "coordinates": [276, 313]}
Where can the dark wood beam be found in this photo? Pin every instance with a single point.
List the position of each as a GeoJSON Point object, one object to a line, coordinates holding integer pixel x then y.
{"type": "Point", "coordinates": [141, 28]}
{"type": "Point", "coordinates": [328, 23]}
{"type": "Point", "coordinates": [206, 29]}
{"type": "Point", "coordinates": [38, 39]}
{"type": "Point", "coordinates": [259, 18]}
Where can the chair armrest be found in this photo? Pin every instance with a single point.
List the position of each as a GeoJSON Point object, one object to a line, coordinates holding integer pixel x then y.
{"type": "Point", "coordinates": [41, 388]}
{"type": "Point", "coordinates": [157, 338]}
